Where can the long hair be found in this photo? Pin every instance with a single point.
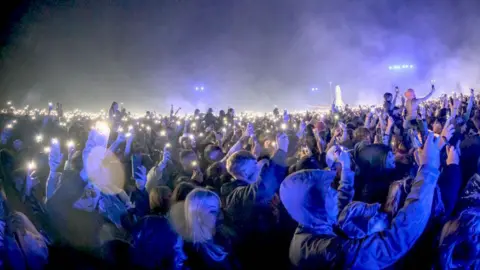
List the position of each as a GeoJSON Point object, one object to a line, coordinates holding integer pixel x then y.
{"type": "Point", "coordinates": [201, 209]}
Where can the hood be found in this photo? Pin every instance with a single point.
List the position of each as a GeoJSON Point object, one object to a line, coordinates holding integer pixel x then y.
{"type": "Point", "coordinates": [305, 195]}
{"type": "Point", "coordinates": [359, 220]}
{"type": "Point", "coordinates": [460, 238]}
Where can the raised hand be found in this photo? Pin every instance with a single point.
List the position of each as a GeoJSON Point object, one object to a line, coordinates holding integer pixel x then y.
{"type": "Point", "coordinates": [282, 142]}
{"type": "Point", "coordinates": [55, 157]}
{"type": "Point", "coordinates": [429, 155]}
{"type": "Point", "coordinates": [453, 155]}
{"type": "Point", "coordinates": [141, 177]}
{"type": "Point", "coordinates": [344, 159]}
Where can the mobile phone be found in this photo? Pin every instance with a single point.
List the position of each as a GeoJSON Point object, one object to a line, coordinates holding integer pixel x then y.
{"type": "Point", "coordinates": [136, 161]}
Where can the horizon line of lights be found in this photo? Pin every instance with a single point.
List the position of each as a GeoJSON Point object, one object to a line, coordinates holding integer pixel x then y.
{"type": "Point", "coordinates": [397, 67]}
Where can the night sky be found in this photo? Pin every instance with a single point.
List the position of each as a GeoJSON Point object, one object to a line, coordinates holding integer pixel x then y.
{"type": "Point", "coordinates": [250, 54]}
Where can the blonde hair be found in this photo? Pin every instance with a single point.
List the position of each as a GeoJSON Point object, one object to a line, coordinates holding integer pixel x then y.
{"type": "Point", "coordinates": [200, 221]}
{"type": "Point", "coordinates": [201, 210]}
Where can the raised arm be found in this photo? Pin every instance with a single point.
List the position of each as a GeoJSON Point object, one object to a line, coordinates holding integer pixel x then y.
{"type": "Point", "coordinates": [385, 248]}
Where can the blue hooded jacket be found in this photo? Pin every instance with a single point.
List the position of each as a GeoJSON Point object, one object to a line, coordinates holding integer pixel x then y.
{"type": "Point", "coordinates": [319, 241]}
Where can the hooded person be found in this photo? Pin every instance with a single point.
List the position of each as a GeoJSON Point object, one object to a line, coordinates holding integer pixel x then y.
{"type": "Point", "coordinates": [319, 242]}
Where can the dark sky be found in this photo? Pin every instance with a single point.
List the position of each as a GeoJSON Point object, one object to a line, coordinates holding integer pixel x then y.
{"type": "Point", "coordinates": [250, 54]}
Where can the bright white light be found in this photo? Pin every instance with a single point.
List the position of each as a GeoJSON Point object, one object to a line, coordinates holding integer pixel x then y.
{"type": "Point", "coordinates": [9, 103]}
{"type": "Point", "coordinates": [201, 88]}
{"type": "Point", "coordinates": [283, 126]}
{"type": "Point", "coordinates": [196, 88]}
{"type": "Point", "coordinates": [54, 141]}
{"type": "Point", "coordinates": [47, 149]}
{"type": "Point", "coordinates": [191, 137]}
{"type": "Point", "coordinates": [31, 166]}
{"type": "Point", "coordinates": [9, 126]}
{"type": "Point", "coordinates": [128, 135]}
{"type": "Point", "coordinates": [163, 133]}
{"type": "Point", "coordinates": [168, 145]}
{"type": "Point", "coordinates": [194, 163]}
{"type": "Point", "coordinates": [411, 66]}
{"type": "Point", "coordinates": [50, 104]}
{"type": "Point", "coordinates": [390, 67]}
{"type": "Point", "coordinates": [102, 128]}
{"type": "Point", "coordinates": [39, 138]}
{"type": "Point", "coordinates": [70, 144]}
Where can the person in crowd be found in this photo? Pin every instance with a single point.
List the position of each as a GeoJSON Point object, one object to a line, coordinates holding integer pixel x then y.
{"type": "Point", "coordinates": [351, 188]}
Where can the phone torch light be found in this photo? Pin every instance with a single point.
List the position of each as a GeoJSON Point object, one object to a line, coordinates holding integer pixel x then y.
{"type": "Point", "coordinates": [163, 133]}
{"type": "Point", "coordinates": [194, 163]}
{"type": "Point", "coordinates": [70, 144]}
{"type": "Point", "coordinates": [224, 129]}
{"type": "Point", "coordinates": [128, 134]}
{"type": "Point", "coordinates": [200, 135]}
{"type": "Point", "coordinates": [54, 141]}
{"type": "Point", "coordinates": [39, 138]}
{"type": "Point", "coordinates": [9, 103]}
{"type": "Point", "coordinates": [283, 126]}
{"type": "Point", "coordinates": [168, 145]}
{"type": "Point", "coordinates": [120, 130]}
{"type": "Point", "coordinates": [50, 104]}
{"type": "Point", "coordinates": [9, 126]}
{"type": "Point", "coordinates": [47, 149]}
{"type": "Point", "coordinates": [102, 127]}
{"type": "Point", "coordinates": [31, 166]}
{"type": "Point", "coordinates": [149, 128]}
{"type": "Point", "coordinates": [191, 137]}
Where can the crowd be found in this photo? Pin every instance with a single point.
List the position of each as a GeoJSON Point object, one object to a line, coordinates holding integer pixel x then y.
{"type": "Point", "coordinates": [382, 187]}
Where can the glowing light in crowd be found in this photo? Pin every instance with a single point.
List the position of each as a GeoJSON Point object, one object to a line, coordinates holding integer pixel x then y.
{"type": "Point", "coordinates": [128, 135]}
{"type": "Point", "coordinates": [47, 149]}
{"type": "Point", "coordinates": [191, 136]}
{"type": "Point", "coordinates": [194, 163]}
{"type": "Point", "coordinates": [54, 141]}
{"type": "Point", "coordinates": [283, 126]}
{"type": "Point", "coordinates": [50, 104]}
{"type": "Point", "coordinates": [163, 133]}
{"type": "Point", "coordinates": [102, 127]}
{"type": "Point", "coordinates": [168, 145]}
{"type": "Point", "coordinates": [314, 89]}
{"type": "Point", "coordinates": [9, 103]}
{"type": "Point", "coordinates": [9, 126]}
{"type": "Point", "coordinates": [39, 138]}
{"type": "Point", "coordinates": [70, 144]}
{"type": "Point", "coordinates": [31, 166]}
{"type": "Point", "coordinates": [398, 67]}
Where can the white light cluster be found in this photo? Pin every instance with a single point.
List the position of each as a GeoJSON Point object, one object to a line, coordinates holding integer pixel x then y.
{"type": "Point", "coordinates": [397, 67]}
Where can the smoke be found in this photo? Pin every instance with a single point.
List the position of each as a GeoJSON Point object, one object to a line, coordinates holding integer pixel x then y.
{"type": "Point", "coordinates": [248, 54]}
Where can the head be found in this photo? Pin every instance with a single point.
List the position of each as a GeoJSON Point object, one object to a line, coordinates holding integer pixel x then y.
{"type": "Point", "coordinates": [159, 199]}
{"type": "Point", "coordinates": [388, 97]}
{"type": "Point", "coordinates": [181, 191]}
{"type": "Point", "coordinates": [310, 198]}
{"type": "Point", "coordinates": [242, 165]}
{"type": "Point", "coordinates": [438, 125]}
{"type": "Point", "coordinates": [213, 153]}
{"type": "Point", "coordinates": [410, 94]}
{"type": "Point", "coordinates": [201, 210]}
{"type": "Point", "coordinates": [17, 145]}
{"type": "Point", "coordinates": [188, 158]}
{"type": "Point", "coordinates": [362, 134]}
